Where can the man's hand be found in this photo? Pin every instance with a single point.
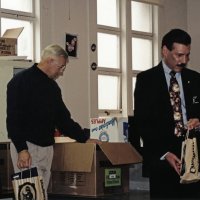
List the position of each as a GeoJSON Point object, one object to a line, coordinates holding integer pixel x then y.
{"type": "Point", "coordinates": [174, 162]}
{"type": "Point", "coordinates": [24, 159]}
{"type": "Point", "coordinates": [193, 123]}
{"type": "Point", "coordinates": [94, 141]}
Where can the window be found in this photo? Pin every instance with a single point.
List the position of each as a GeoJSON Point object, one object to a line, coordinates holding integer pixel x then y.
{"type": "Point", "coordinates": [125, 32]}
{"type": "Point", "coordinates": [107, 13]}
{"type": "Point", "coordinates": [18, 5]}
{"type": "Point", "coordinates": [143, 26]}
{"type": "Point", "coordinates": [108, 50]}
{"type": "Point", "coordinates": [15, 14]}
{"type": "Point", "coordinates": [141, 17]}
{"type": "Point", "coordinates": [141, 54]}
{"type": "Point", "coordinates": [108, 44]}
{"type": "Point", "coordinates": [108, 97]}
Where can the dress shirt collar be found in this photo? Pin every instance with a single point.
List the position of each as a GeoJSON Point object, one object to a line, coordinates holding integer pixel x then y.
{"type": "Point", "coordinates": [167, 70]}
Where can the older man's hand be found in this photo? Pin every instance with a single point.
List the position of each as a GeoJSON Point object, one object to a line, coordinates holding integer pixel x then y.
{"type": "Point", "coordinates": [94, 141]}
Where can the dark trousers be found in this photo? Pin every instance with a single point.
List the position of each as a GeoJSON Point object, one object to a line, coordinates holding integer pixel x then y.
{"type": "Point", "coordinates": [165, 184]}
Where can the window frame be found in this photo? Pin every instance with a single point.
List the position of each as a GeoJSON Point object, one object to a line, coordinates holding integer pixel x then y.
{"type": "Point", "coordinates": [22, 16]}
{"type": "Point", "coordinates": [112, 71]}
{"type": "Point", "coordinates": [125, 72]}
{"type": "Point", "coordinates": [147, 35]}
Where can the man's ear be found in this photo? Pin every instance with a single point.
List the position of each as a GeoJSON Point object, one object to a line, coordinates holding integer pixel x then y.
{"type": "Point", "coordinates": [165, 51]}
{"type": "Point", "coordinates": [49, 60]}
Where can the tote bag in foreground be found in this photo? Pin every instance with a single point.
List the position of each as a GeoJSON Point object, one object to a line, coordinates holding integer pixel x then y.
{"type": "Point", "coordinates": [190, 160]}
{"type": "Point", "coordinates": [28, 185]}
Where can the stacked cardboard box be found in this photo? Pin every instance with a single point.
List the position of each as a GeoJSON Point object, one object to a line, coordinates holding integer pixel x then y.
{"type": "Point", "coordinates": [8, 42]}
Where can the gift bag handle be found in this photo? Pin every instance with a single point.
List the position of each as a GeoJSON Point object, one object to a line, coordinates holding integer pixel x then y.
{"type": "Point", "coordinates": [21, 173]}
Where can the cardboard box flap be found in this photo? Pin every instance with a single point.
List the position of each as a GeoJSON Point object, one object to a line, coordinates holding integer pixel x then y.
{"type": "Point", "coordinates": [13, 32]}
{"type": "Point", "coordinates": [75, 157]}
{"type": "Point", "coordinates": [120, 153]}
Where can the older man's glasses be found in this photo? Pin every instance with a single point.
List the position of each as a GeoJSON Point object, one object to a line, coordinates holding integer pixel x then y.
{"type": "Point", "coordinates": [61, 67]}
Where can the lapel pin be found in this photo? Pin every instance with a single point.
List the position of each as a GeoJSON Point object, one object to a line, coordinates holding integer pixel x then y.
{"type": "Point", "coordinates": [195, 100]}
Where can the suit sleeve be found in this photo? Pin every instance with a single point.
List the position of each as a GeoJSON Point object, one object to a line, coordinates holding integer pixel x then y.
{"type": "Point", "coordinates": [147, 118]}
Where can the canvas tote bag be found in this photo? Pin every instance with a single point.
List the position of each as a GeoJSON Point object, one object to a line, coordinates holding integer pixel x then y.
{"type": "Point", "coordinates": [28, 185]}
{"type": "Point", "coordinates": [189, 160]}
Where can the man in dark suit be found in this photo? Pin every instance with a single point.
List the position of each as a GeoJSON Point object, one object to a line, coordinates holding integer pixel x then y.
{"type": "Point", "coordinates": [154, 117]}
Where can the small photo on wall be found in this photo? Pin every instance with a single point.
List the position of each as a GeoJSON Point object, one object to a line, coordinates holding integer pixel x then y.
{"type": "Point", "coordinates": [71, 44]}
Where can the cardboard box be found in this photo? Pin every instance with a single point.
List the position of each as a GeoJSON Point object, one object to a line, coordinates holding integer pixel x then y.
{"type": "Point", "coordinates": [92, 170]}
{"type": "Point", "coordinates": [109, 129]}
{"type": "Point", "coordinates": [6, 167]}
{"type": "Point", "coordinates": [8, 42]}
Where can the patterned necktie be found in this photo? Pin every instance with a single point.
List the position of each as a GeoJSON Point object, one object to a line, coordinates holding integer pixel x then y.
{"type": "Point", "coordinates": [175, 99]}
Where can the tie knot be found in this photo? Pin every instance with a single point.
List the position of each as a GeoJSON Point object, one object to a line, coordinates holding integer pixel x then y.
{"type": "Point", "coordinates": [172, 73]}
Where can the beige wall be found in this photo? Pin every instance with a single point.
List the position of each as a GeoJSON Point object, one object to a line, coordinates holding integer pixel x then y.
{"type": "Point", "coordinates": [172, 14]}
{"type": "Point", "coordinates": [193, 21]}
{"type": "Point", "coordinates": [60, 17]}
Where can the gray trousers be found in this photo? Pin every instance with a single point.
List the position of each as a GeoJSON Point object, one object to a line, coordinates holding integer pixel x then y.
{"type": "Point", "coordinates": [41, 158]}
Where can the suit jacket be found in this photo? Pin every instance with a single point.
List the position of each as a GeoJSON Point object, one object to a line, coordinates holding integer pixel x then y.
{"type": "Point", "coordinates": [153, 114]}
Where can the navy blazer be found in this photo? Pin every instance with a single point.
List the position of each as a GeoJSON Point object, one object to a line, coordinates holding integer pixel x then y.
{"type": "Point", "coordinates": [153, 114]}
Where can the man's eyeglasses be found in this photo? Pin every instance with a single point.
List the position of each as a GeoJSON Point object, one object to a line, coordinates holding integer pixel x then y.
{"type": "Point", "coordinates": [61, 67]}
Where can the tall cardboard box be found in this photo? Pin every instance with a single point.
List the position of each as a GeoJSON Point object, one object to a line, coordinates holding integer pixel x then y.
{"type": "Point", "coordinates": [8, 42]}
{"type": "Point", "coordinates": [92, 170]}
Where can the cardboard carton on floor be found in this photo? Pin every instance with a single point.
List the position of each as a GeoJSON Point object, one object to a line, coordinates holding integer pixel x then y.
{"type": "Point", "coordinates": [92, 170]}
{"type": "Point", "coordinates": [6, 167]}
{"type": "Point", "coordinates": [8, 42]}
{"type": "Point", "coordinates": [109, 129]}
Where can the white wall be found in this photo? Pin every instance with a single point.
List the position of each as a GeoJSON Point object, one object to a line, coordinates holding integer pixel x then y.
{"type": "Point", "coordinates": [65, 16]}
{"type": "Point", "coordinates": [172, 14]}
{"type": "Point", "coordinates": [183, 14]}
{"type": "Point", "coordinates": [193, 21]}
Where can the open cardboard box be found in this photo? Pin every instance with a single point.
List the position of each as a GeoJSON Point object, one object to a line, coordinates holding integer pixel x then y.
{"type": "Point", "coordinates": [8, 42]}
{"type": "Point", "coordinates": [92, 170]}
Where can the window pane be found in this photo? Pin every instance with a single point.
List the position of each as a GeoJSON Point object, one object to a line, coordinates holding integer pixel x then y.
{"type": "Point", "coordinates": [19, 5]}
{"type": "Point", "coordinates": [108, 50]}
{"type": "Point", "coordinates": [141, 54]}
{"type": "Point", "coordinates": [141, 16]}
{"type": "Point", "coordinates": [133, 86]}
{"type": "Point", "coordinates": [25, 41]}
{"type": "Point", "coordinates": [108, 92]}
{"type": "Point", "coordinates": [107, 13]}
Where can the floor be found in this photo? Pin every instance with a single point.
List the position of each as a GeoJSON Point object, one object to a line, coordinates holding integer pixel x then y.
{"type": "Point", "coordinates": [139, 190]}
{"type": "Point", "coordinates": [132, 195]}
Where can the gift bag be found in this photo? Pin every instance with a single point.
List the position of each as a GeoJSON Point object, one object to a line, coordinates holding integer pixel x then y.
{"type": "Point", "coordinates": [28, 185]}
{"type": "Point", "coordinates": [189, 160]}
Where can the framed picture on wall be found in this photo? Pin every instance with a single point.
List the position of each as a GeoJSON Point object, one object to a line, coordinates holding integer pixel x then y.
{"type": "Point", "coordinates": [71, 42]}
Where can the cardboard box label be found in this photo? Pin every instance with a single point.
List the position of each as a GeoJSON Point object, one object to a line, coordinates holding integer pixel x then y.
{"type": "Point", "coordinates": [112, 177]}
{"type": "Point", "coordinates": [109, 129]}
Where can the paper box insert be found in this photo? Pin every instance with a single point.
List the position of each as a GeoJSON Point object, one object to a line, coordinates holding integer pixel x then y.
{"type": "Point", "coordinates": [109, 129]}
